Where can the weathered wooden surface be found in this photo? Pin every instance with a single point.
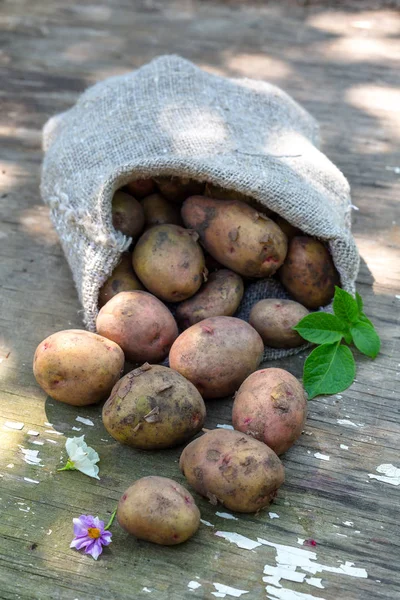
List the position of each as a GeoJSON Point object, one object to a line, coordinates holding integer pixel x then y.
{"type": "Point", "coordinates": [343, 66]}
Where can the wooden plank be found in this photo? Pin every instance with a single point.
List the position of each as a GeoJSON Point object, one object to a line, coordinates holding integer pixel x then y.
{"type": "Point", "coordinates": [342, 65]}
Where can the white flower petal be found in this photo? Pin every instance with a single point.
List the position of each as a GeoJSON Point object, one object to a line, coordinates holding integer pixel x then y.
{"type": "Point", "coordinates": [83, 456]}
{"type": "Point", "coordinates": [87, 467]}
{"type": "Point", "coordinates": [92, 455]}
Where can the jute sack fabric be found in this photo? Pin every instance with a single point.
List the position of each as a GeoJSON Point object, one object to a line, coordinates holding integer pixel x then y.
{"type": "Point", "coordinates": [171, 118]}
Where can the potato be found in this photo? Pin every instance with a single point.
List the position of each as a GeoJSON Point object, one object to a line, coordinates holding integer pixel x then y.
{"type": "Point", "coordinates": [274, 320]}
{"type": "Point", "coordinates": [271, 406]}
{"type": "Point", "coordinates": [238, 236]}
{"type": "Point", "coordinates": [308, 273]}
{"type": "Point", "coordinates": [217, 355]}
{"type": "Point", "coordinates": [234, 469]}
{"type": "Point", "coordinates": [127, 215]}
{"type": "Point", "coordinates": [157, 211]}
{"type": "Point", "coordinates": [177, 189]}
{"type": "Point", "coordinates": [77, 367]}
{"type": "Point", "coordinates": [153, 407]}
{"type": "Point", "coordinates": [141, 188]}
{"type": "Point", "coordinates": [122, 279]}
{"type": "Point", "coordinates": [169, 262]}
{"type": "Point", "coordinates": [288, 229]}
{"type": "Point", "coordinates": [220, 295]}
{"type": "Point", "coordinates": [141, 324]}
{"type": "Point", "coordinates": [215, 191]}
{"type": "Point", "coordinates": [159, 510]}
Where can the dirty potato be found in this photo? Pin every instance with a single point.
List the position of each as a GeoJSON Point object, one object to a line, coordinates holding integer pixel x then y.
{"type": "Point", "coordinates": [169, 262]}
{"type": "Point", "coordinates": [141, 324]}
{"type": "Point", "coordinates": [77, 367]}
{"type": "Point", "coordinates": [122, 279]}
{"type": "Point", "coordinates": [157, 211]}
{"type": "Point", "coordinates": [238, 236]}
{"type": "Point", "coordinates": [234, 469]}
{"type": "Point", "coordinates": [158, 510]}
{"type": "Point", "coordinates": [220, 295]}
{"type": "Point", "coordinates": [274, 320]}
{"type": "Point", "coordinates": [127, 215]}
{"type": "Point", "coordinates": [217, 355]}
{"type": "Point", "coordinates": [153, 407]}
{"type": "Point", "coordinates": [177, 189]}
{"type": "Point", "coordinates": [288, 229]}
{"type": "Point", "coordinates": [308, 273]}
{"type": "Point", "coordinates": [271, 406]}
{"type": "Point", "coordinates": [141, 188]}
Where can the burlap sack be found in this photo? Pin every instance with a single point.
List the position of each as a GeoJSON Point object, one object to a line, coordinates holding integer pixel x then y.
{"type": "Point", "coordinates": [170, 117]}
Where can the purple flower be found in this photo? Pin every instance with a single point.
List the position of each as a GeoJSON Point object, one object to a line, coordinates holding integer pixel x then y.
{"type": "Point", "coordinates": [91, 535]}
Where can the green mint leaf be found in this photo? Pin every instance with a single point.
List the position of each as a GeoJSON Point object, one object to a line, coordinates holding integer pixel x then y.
{"type": "Point", "coordinates": [365, 319]}
{"type": "Point", "coordinates": [345, 306]}
{"type": "Point", "coordinates": [360, 303]}
{"type": "Point", "coordinates": [348, 338]}
{"type": "Point", "coordinates": [320, 328]}
{"type": "Point", "coordinates": [329, 369]}
{"type": "Point", "coordinates": [365, 338]}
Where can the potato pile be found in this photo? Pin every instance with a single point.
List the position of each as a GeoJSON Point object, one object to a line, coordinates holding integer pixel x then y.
{"type": "Point", "coordinates": [195, 246]}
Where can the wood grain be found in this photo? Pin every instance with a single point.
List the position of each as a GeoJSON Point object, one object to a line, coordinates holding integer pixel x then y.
{"type": "Point", "coordinates": [343, 66]}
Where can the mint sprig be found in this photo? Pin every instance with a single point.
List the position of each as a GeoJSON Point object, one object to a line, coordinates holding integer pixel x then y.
{"type": "Point", "coordinates": [330, 368]}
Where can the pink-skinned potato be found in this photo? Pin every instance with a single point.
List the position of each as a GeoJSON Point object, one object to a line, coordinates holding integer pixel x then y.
{"type": "Point", "coordinates": [158, 211]}
{"type": "Point", "coordinates": [271, 406]}
{"type": "Point", "coordinates": [153, 407]}
{"type": "Point", "coordinates": [217, 354]}
{"type": "Point", "coordinates": [234, 469]}
{"type": "Point", "coordinates": [77, 367]}
{"type": "Point", "coordinates": [238, 236]}
{"type": "Point", "coordinates": [177, 189]}
{"type": "Point", "coordinates": [140, 324]}
{"type": "Point", "coordinates": [140, 188]}
{"type": "Point", "coordinates": [158, 510]}
{"type": "Point", "coordinates": [274, 320]}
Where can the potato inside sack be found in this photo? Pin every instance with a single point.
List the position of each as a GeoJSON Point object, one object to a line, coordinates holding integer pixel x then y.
{"type": "Point", "coordinates": [234, 469]}
{"type": "Point", "coordinates": [158, 510]}
{"type": "Point", "coordinates": [153, 407]}
{"type": "Point", "coordinates": [140, 188]}
{"type": "Point", "coordinates": [169, 262]}
{"type": "Point", "coordinates": [271, 406]}
{"type": "Point", "coordinates": [122, 279]}
{"type": "Point", "coordinates": [77, 367]}
{"type": "Point", "coordinates": [217, 354]}
{"type": "Point", "coordinates": [177, 189]}
{"type": "Point", "coordinates": [238, 236]}
{"type": "Point", "coordinates": [157, 211]}
{"type": "Point", "coordinates": [140, 323]}
{"type": "Point", "coordinates": [221, 294]}
{"type": "Point", "coordinates": [127, 214]}
{"type": "Point", "coordinates": [308, 273]}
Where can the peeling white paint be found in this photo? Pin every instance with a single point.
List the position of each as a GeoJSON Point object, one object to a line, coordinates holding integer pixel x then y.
{"type": "Point", "coordinates": [224, 426]}
{"type": "Point", "coordinates": [85, 421]}
{"type": "Point", "coordinates": [37, 443]}
{"type": "Point", "coordinates": [31, 480]}
{"type": "Point", "coordinates": [48, 424]}
{"type": "Point", "coordinates": [51, 441]}
{"type": "Point", "coordinates": [193, 585]}
{"type": "Point", "coordinates": [344, 447]}
{"type": "Point", "coordinates": [341, 534]}
{"type": "Point", "coordinates": [300, 541]}
{"type": "Point", "coordinates": [146, 589]}
{"type": "Point", "coordinates": [31, 456]}
{"type": "Point", "coordinates": [321, 456]}
{"type": "Point", "coordinates": [240, 540]}
{"type": "Point", "coordinates": [285, 594]}
{"type": "Point", "coordinates": [299, 557]}
{"type": "Point", "coordinates": [206, 523]}
{"type": "Point", "coordinates": [10, 466]}
{"type": "Point", "coordinates": [17, 425]}
{"type": "Point", "coordinates": [32, 432]}
{"type": "Point", "coordinates": [348, 523]}
{"type": "Point", "coordinates": [77, 428]}
{"type": "Point", "coordinates": [226, 590]}
{"type": "Point", "coordinates": [391, 474]}
{"type": "Point", "coordinates": [225, 515]}
{"type": "Point", "coordinates": [346, 422]}
{"type": "Point", "coordinates": [287, 572]}
{"type": "Point", "coordinates": [53, 431]}
{"type": "Point", "coordinates": [273, 515]}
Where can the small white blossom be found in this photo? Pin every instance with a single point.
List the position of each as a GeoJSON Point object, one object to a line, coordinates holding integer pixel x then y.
{"type": "Point", "coordinates": [82, 457]}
